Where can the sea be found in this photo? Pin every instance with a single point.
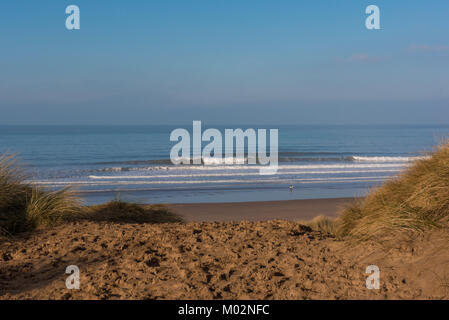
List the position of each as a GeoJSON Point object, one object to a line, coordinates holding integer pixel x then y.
{"type": "Point", "coordinates": [132, 163]}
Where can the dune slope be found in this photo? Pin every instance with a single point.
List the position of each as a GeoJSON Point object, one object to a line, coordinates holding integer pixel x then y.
{"type": "Point", "coordinates": [245, 260]}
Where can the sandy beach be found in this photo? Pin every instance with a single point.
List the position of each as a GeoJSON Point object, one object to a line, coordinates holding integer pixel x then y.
{"type": "Point", "coordinates": [247, 259]}
{"type": "Point", "coordinates": [296, 210]}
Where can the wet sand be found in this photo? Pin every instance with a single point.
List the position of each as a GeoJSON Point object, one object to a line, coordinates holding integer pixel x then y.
{"type": "Point", "coordinates": [295, 210]}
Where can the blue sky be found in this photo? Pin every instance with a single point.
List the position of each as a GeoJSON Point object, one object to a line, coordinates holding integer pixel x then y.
{"type": "Point", "coordinates": [224, 62]}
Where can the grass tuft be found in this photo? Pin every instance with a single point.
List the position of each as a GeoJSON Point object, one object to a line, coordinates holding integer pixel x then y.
{"type": "Point", "coordinates": [24, 207]}
{"type": "Point", "coordinates": [120, 211]}
{"type": "Point", "coordinates": [323, 224]}
{"type": "Point", "coordinates": [47, 208]}
{"type": "Point", "coordinates": [408, 205]}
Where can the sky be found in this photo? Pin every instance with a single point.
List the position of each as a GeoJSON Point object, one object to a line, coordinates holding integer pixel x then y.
{"type": "Point", "coordinates": [224, 62]}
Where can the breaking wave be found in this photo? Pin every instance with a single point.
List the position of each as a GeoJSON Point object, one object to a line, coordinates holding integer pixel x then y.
{"type": "Point", "coordinates": [387, 159]}
{"type": "Point", "coordinates": [165, 164]}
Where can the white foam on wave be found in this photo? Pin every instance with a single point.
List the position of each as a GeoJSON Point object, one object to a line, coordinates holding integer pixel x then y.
{"type": "Point", "coordinates": [387, 159]}
{"type": "Point", "coordinates": [215, 160]}
{"type": "Point", "coordinates": [226, 181]}
{"type": "Point", "coordinates": [282, 167]}
{"type": "Point", "coordinates": [242, 164]}
{"type": "Point", "coordinates": [234, 174]}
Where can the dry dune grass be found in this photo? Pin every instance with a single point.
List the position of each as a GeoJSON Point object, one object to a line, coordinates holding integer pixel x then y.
{"type": "Point", "coordinates": [403, 207]}
{"type": "Point", "coordinates": [119, 211]}
{"type": "Point", "coordinates": [24, 207]}
{"type": "Point", "coordinates": [47, 208]}
{"type": "Point", "coordinates": [322, 223]}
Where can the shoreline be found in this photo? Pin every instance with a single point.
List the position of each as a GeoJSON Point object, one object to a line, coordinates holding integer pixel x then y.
{"type": "Point", "coordinates": [293, 210]}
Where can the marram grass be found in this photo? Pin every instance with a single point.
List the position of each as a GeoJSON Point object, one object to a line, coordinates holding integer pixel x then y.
{"type": "Point", "coordinates": [24, 207]}
{"type": "Point", "coordinates": [322, 223]}
{"type": "Point", "coordinates": [46, 208]}
{"type": "Point", "coordinates": [415, 201]}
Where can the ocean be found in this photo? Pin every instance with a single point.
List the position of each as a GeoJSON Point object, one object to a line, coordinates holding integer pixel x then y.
{"type": "Point", "coordinates": [132, 162]}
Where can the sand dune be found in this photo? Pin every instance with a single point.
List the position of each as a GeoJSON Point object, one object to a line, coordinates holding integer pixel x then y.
{"type": "Point", "coordinates": [245, 260]}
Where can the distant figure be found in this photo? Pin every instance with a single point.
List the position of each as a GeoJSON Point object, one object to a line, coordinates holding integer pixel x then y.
{"type": "Point", "coordinates": [291, 188]}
